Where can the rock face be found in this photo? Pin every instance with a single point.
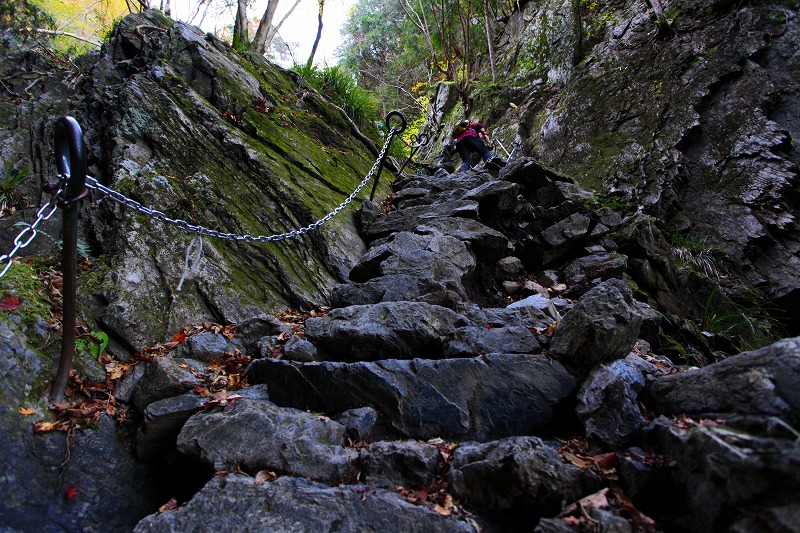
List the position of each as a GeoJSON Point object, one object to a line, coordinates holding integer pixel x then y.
{"type": "Point", "coordinates": [181, 123]}
{"type": "Point", "coordinates": [698, 122]}
{"type": "Point", "coordinates": [503, 348]}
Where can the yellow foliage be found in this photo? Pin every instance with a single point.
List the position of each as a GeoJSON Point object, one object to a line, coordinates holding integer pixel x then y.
{"type": "Point", "coordinates": [88, 19]}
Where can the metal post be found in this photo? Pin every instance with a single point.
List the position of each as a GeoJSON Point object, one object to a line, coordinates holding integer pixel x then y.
{"type": "Point", "coordinates": [393, 131]}
{"type": "Point", "coordinates": [70, 157]}
{"type": "Point", "coordinates": [417, 142]}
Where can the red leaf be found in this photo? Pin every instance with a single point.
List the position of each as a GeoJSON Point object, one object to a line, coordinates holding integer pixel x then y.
{"type": "Point", "coordinates": [10, 302]}
{"type": "Point", "coordinates": [71, 492]}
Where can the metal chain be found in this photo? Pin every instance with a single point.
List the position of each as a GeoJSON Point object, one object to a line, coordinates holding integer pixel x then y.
{"type": "Point", "coordinates": [120, 198]}
{"type": "Point", "coordinates": [41, 215]}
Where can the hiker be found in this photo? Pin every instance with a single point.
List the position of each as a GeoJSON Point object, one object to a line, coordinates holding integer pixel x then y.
{"type": "Point", "coordinates": [470, 138]}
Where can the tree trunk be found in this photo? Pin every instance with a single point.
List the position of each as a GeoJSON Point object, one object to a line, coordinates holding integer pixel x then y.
{"type": "Point", "coordinates": [489, 40]}
{"type": "Point", "coordinates": [319, 35]}
{"type": "Point", "coordinates": [240, 38]}
{"type": "Point", "coordinates": [259, 44]}
{"type": "Point", "coordinates": [273, 31]}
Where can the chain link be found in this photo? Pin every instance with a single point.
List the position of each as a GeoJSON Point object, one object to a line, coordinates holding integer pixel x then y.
{"type": "Point", "coordinates": [41, 215]}
{"type": "Point", "coordinates": [120, 198]}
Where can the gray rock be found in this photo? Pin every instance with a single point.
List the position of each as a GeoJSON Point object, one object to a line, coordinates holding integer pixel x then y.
{"type": "Point", "coordinates": [166, 377]}
{"type": "Point", "coordinates": [252, 329]}
{"type": "Point", "coordinates": [569, 229]}
{"type": "Point", "coordinates": [114, 491]}
{"type": "Point", "coordinates": [127, 385]}
{"type": "Point", "coordinates": [452, 398]}
{"type": "Point", "coordinates": [724, 472]}
{"type": "Point", "coordinates": [410, 218]}
{"type": "Point", "coordinates": [531, 287]}
{"type": "Point", "coordinates": [512, 287]}
{"type": "Point", "coordinates": [470, 341]}
{"type": "Point", "coordinates": [519, 474]}
{"type": "Point", "coordinates": [164, 419]}
{"type": "Point", "coordinates": [257, 435]}
{"type": "Point", "coordinates": [207, 346]}
{"type": "Point", "coordinates": [539, 304]}
{"type": "Point", "coordinates": [536, 316]}
{"type": "Point", "coordinates": [763, 382]}
{"type": "Point", "coordinates": [293, 505]}
{"type": "Point", "coordinates": [390, 329]}
{"type": "Point", "coordinates": [483, 240]}
{"type": "Point", "coordinates": [608, 402]}
{"type": "Point", "coordinates": [359, 422]}
{"type": "Point", "coordinates": [601, 327]}
{"type": "Point", "coordinates": [495, 199]}
{"type": "Point", "coordinates": [600, 265]}
{"type": "Point", "coordinates": [396, 288]}
{"type": "Point", "coordinates": [370, 212]}
{"type": "Point", "coordinates": [410, 464]}
{"type": "Point", "coordinates": [509, 266]}
{"type": "Point", "coordinates": [298, 349]}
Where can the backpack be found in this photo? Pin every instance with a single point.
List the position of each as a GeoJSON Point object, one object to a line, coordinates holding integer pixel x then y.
{"type": "Point", "coordinates": [459, 128]}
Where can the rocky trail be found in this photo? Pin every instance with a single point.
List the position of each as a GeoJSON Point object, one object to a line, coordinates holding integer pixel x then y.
{"type": "Point", "coordinates": [424, 401]}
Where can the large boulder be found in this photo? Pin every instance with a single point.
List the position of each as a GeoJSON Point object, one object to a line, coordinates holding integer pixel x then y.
{"type": "Point", "coordinates": [295, 505]}
{"type": "Point", "coordinates": [452, 398]}
{"type": "Point", "coordinates": [608, 403]}
{"type": "Point", "coordinates": [385, 330]}
{"type": "Point", "coordinates": [520, 476]}
{"type": "Point", "coordinates": [761, 382]}
{"type": "Point", "coordinates": [257, 435]}
{"type": "Point", "coordinates": [601, 327]}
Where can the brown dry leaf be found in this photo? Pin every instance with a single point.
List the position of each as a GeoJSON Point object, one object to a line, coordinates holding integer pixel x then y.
{"type": "Point", "coordinates": [116, 369]}
{"type": "Point", "coordinates": [264, 476]}
{"type": "Point", "coordinates": [43, 427]}
{"type": "Point", "coordinates": [10, 302]}
{"type": "Point", "coordinates": [27, 411]}
{"type": "Point", "coordinates": [583, 463]}
{"type": "Point", "coordinates": [441, 510]}
{"type": "Point", "coordinates": [169, 506]}
{"type": "Point", "coordinates": [607, 463]}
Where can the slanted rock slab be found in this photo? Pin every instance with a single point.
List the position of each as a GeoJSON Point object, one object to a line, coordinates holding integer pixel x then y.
{"type": "Point", "coordinates": [293, 505]}
{"type": "Point", "coordinates": [518, 475]}
{"type": "Point", "coordinates": [257, 435]}
{"type": "Point", "coordinates": [762, 382]}
{"type": "Point", "coordinates": [481, 398]}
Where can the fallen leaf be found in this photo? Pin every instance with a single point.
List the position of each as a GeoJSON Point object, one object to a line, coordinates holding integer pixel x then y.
{"type": "Point", "coordinates": [116, 369]}
{"type": "Point", "coordinates": [43, 427]}
{"type": "Point", "coordinates": [441, 510]}
{"type": "Point", "coordinates": [10, 302]}
{"type": "Point", "coordinates": [71, 492]}
{"type": "Point", "coordinates": [169, 506]}
{"type": "Point", "coordinates": [580, 462]}
{"type": "Point", "coordinates": [265, 475]}
{"type": "Point", "coordinates": [27, 411]}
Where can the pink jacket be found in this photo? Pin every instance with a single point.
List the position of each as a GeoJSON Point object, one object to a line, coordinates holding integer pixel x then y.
{"type": "Point", "coordinates": [471, 131]}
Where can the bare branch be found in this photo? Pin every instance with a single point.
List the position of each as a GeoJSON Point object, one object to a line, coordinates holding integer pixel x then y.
{"type": "Point", "coordinates": [67, 34]}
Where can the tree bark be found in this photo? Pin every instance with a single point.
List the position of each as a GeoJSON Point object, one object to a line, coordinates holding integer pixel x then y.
{"type": "Point", "coordinates": [259, 44]}
{"type": "Point", "coordinates": [240, 37]}
{"type": "Point", "coordinates": [319, 35]}
{"type": "Point", "coordinates": [489, 40]}
{"type": "Point", "coordinates": [273, 31]}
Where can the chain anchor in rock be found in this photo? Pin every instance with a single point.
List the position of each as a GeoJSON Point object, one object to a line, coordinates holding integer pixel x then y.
{"type": "Point", "coordinates": [70, 154]}
{"type": "Point", "coordinates": [516, 146]}
{"type": "Point", "coordinates": [394, 130]}
{"type": "Point", "coordinates": [417, 142]}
